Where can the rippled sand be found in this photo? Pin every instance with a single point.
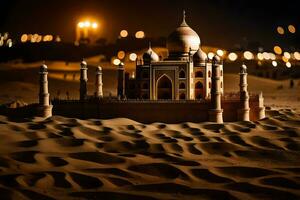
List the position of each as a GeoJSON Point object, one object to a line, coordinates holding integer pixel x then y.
{"type": "Point", "coordinates": [65, 158]}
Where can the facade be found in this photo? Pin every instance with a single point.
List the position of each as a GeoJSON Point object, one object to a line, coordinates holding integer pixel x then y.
{"type": "Point", "coordinates": [186, 84]}
{"type": "Point", "coordinates": [184, 75]}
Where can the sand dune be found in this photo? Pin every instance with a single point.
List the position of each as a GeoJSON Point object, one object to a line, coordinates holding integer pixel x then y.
{"type": "Point", "coordinates": [66, 158]}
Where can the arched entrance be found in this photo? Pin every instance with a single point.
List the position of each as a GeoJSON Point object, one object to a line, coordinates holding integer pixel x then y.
{"type": "Point", "coordinates": [164, 88]}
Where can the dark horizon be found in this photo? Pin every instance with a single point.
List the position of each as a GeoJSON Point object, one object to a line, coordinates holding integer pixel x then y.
{"type": "Point", "coordinates": [218, 22]}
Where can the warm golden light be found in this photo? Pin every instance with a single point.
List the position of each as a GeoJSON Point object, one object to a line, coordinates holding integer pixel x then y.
{"type": "Point", "coordinates": [297, 55]}
{"type": "Point", "coordinates": [140, 34]}
{"type": "Point", "coordinates": [285, 59]}
{"type": "Point", "coordinates": [272, 56]}
{"type": "Point", "coordinates": [266, 55]}
{"type": "Point", "coordinates": [260, 56]}
{"type": "Point", "coordinates": [132, 57]}
{"type": "Point", "coordinates": [24, 38]}
{"type": "Point", "coordinates": [220, 52]}
{"type": "Point", "coordinates": [94, 25]}
{"type": "Point", "coordinates": [292, 29]}
{"type": "Point", "coordinates": [121, 54]}
{"type": "Point", "coordinates": [124, 33]}
{"type": "Point", "coordinates": [133, 75]}
{"type": "Point", "coordinates": [80, 24]}
{"type": "Point", "coordinates": [87, 23]}
{"type": "Point", "coordinates": [277, 50]}
{"type": "Point", "coordinates": [248, 55]}
{"type": "Point", "coordinates": [287, 55]}
{"type": "Point", "coordinates": [210, 55]}
{"type": "Point", "coordinates": [116, 61]}
{"type": "Point", "coordinates": [280, 30]}
{"type": "Point", "coordinates": [274, 63]}
{"type": "Point", "coordinates": [232, 56]}
{"type": "Point", "coordinates": [288, 64]}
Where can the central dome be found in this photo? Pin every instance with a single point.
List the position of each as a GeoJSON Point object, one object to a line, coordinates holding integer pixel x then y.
{"type": "Point", "coordinates": [183, 39]}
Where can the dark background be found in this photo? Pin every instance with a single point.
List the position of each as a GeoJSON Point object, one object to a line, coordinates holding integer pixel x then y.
{"type": "Point", "coordinates": [222, 23]}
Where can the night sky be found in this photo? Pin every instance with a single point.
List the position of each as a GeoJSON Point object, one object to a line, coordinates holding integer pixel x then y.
{"type": "Point", "coordinates": [218, 22]}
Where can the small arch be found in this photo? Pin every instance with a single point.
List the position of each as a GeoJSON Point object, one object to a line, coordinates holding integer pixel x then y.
{"type": "Point", "coordinates": [199, 85]}
{"type": "Point", "coordinates": [209, 73]}
{"type": "Point", "coordinates": [164, 87]}
{"type": "Point", "coordinates": [209, 84]}
{"type": "Point", "coordinates": [182, 96]}
{"type": "Point", "coordinates": [181, 74]}
{"type": "Point", "coordinates": [221, 84]}
{"type": "Point", "coordinates": [199, 74]}
{"type": "Point", "coordinates": [221, 72]}
{"type": "Point", "coordinates": [182, 86]}
{"type": "Point", "coordinates": [145, 86]}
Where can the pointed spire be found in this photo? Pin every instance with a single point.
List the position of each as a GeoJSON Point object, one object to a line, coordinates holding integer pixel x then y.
{"type": "Point", "coordinates": [183, 23]}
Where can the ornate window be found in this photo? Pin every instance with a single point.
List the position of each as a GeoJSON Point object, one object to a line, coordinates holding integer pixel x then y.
{"type": "Point", "coordinates": [181, 74]}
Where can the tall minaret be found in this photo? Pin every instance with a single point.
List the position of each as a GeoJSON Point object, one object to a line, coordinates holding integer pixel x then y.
{"type": "Point", "coordinates": [121, 81]}
{"type": "Point", "coordinates": [216, 112]}
{"type": "Point", "coordinates": [44, 109]}
{"type": "Point", "coordinates": [99, 84]}
{"type": "Point", "coordinates": [244, 111]}
{"type": "Point", "coordinates": [261, 107]}
{"type": "Point", "coordinates": [83, 80]}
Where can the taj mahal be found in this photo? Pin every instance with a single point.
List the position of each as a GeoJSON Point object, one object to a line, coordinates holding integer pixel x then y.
{"type": "Point", "coordinates": [184, 86]}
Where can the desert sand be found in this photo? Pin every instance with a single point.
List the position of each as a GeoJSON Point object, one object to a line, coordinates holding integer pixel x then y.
{"type": "Point", "coordinates": [66, 158]}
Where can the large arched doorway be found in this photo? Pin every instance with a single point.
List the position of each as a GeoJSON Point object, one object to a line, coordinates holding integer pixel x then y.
{"type": "Point", "coordinates": [199, 90]}
{"type": "Point", "coordinates": [164, 88]}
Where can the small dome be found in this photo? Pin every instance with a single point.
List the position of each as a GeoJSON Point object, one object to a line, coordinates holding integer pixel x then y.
{"type": "Point", "coordinates": [199, 56]}
{"type": "Point", "coordinates": [150, 55]}
{"type": "Point", "coordinates": [43, 67]}
{"type": "Point", "coordinates": [183, 40]}
{"type": "Point", "coordinates": [83, 64]}
{"type": "Point", "coordinates": [216, 58]}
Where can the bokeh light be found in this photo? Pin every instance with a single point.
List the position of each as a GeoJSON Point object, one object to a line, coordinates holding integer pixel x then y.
{"type": "Point", "coordinates": [116, 61]}
{"type": "Point", "coordinates": [292, 28]}
{"type": "Point", "coordinates": [274, 63]}
{"type": "Point", "coordinates": [266, 55]}
{"type": "Point", "coordinates": [277, 50]}
{"type": "Point", "coordinates": [124, 33]}
{"type": "Point", "coordinates": [220, 52]}
{"type": "Point", "coordinates": [94, 25]}
{"type": "Point", "coordinates": [248, 55]}
{"type": "Point", "coordinates": [24, 38]}
{"type": "Point", "coordinates": [132, 57]}
{"type": "Point", "coordinates": [140, 34]}
{"type": "Point", "coordinates": [285, 59]}
{"type": "Point", "coordinates": [288, 64]}
{"type": "Point", "coordinates": [287, 55]}
{"type": "Point", "coordinates": [297, 55]}
{"type": "Point", "coordinates": [260, 56]}
{"type": "Point", "coordinates": [121, 55]}
{"type": "Point", "coordinates": [232, 56]}
{"type": "Point", "coordinates": [280, 30]}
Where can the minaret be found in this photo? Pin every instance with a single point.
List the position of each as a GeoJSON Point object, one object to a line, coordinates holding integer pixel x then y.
{"type": "Point", "coordinates": [261, 106]}
{"type": "Point", "coordinates": [216, 112]}
{"type": "Point", "coordinates": [83, 80]}
{"type": "Point", "coordinates": [44, 109]}
{"type": "Point", "coordinates": [244, 111]}
{"type": "Point", "coordinates": [121, 81]}
{"type": "Point", "coordinates": [99, 84]}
